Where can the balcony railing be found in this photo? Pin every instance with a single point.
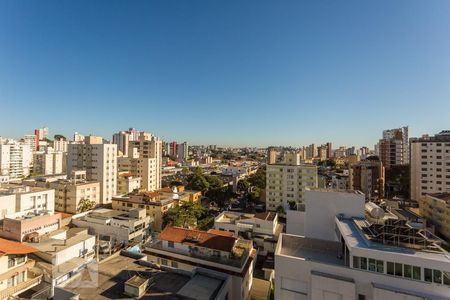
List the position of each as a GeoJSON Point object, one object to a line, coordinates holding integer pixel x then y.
{"type": "Point", "coordinates": [21, 287]}
{"type": "Point", "coordinates": [232, 261]}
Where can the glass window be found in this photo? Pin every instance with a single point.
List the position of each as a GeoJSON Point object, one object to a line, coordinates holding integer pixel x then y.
{"type": "Point", "coordinates": [398, 269]}
{"type": "Point", "coordinates": [371, 264]}
{"type": "Point", "coordinates": [447, 278]}
{"type": "Point", "coordinates": [380, 266]}
{"type": "Point", "coordinates": [356, 262]}
{"type": "Point", "coordinates": [428, 275]}
{"type": "Point", "coordinates": [390, 268]}
{"type": "Point", "coordinates": [363, 263]}
{"type": "Point", "coordinates": [407, 271]}
{"type": "Point", "coordinates": [416, 273]}
{"type": "Point", "coordinates": [437, 276]}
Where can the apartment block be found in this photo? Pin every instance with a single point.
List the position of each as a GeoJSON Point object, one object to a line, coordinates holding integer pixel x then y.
{"type": "Point", "coordinates": [30, 199]}
{"type": "Point", "coordinates": [262, 228]}
{"type": "Point", "coordinates": [287, 182]}
{"type": "Point", "coordinates": [368, 176]}
{"type": "Point", "coordinates": [49, 162]}
{"type": "Point", "coordinates": [100, 163]}
{"type": "Point", "coordinates": [15, 159]}
{"type": "Point", "coordinates": [187, 249]}
{"type": "Point", "coordinates": [436, 209]}
{"type": "Point", "coordinates": [430, 165]}
{"type": "Point", "coordinates": [343, 255]}
{"type": "Point", "coordinates": [393, 148]}
{"type": "Point", "coordinates": [156, 205]}
{"type": "Point", "coordinates": [117, 226]}
{"type": "Point", "coordinates": [127, 183]}
{"type": "Point", "coordinates": [25, 226]}
{"type": "Point", "coordinates": [17, 274]}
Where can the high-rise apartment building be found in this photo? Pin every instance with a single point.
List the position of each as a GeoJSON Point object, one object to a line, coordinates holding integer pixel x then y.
{"type": "Point", "coordinates": [286, 182]}
{"type": "Point", "coordinates": [329, 150]}
{"type": "Point", "coordinates": [173, 149]}
{"type": "Point", "coordinates": [393, 148]}
{"type": "Point", "coordinates": [272, 156]}
{"type": "Point", "coordinates": [144, 160]}
{"type": "Point", "coordinates": [183, 151]}
{"type": "Point", "coordinates": [49, 162]}
{"type": "Point", "coordinates": [15, 159]}
{"type": "Point", "coordinates": [368, 176]}
{"type": "Point", "coordinates": [430, 164]}
{"type": "Point", "coordinates": [121, 139]}
{"type": "Point", "coordinates": [100, 162]}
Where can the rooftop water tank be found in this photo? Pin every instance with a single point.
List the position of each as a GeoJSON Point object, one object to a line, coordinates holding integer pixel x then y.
{"type": "Point", "coordinates": [374, 210]}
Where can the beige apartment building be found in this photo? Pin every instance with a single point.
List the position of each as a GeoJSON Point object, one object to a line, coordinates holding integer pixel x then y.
{"type": "Point", "coordinates": [127, 183]}
{"type": "Point", "coordinates": [286, 182]}
{"type": "Point", "coordinates": [430, 164]}
{"type": "Point", "coordinates": [144, 160]}
{"type": "Point", "coordinates": [436, 209]}
{"type": "Point", "coordinates": [100, 162]}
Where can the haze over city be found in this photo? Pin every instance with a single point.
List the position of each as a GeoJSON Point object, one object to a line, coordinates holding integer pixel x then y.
{"type": "Point", "coordinates": [230, 73]}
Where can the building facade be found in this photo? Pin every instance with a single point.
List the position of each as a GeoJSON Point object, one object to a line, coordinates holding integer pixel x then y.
{"type": "Point", "coordinates": [100, 163]}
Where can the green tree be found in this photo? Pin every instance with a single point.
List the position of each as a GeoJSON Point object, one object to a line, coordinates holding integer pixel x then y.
{"type": "Point", "coordinates": [197, 182]}
{"type": "Point", "coordinates": [185, 215]}
{"type": "Point", "coordinates": [243, 185]}
{"type": "Point", "coordinates": [85, 205]}
{"type": "Point", "coordinates": [258, 179]}
{"type": "Point", "coordinates": [214, 182]}
{"type": "Point", "coordinates": [206, 223]}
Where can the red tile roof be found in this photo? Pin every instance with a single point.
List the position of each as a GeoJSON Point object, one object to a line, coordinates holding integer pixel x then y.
{"type": "Point", "coordinates": [198, 238]}
{"type": "Point", "coordinates": [220, 232]}
{"type": "Point", "coordinates": [10, 247]}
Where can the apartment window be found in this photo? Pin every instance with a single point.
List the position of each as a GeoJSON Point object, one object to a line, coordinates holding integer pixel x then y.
{"type": "Point", "coordinates": [363, 263]}
{"type": "Point", "coordinates": [428, 275]}
{"type": "Point", "coordinates": [11, 262]}
{"type": "Point", "coordinates": [398, 269]}
{"type": "Point", "coordinates": [356, 262]}
{"type": "Point", "coordinates": [171, 244]}
{"type": "Point", "coordinates": [417, 273]}
{"type": "Point", "coordinates": [380, 266]}
{"type": "Point", "coordinates": [361, 297]}
{"type": "Point", "coordinates": [164, 262]}
{"type": "Point", "coordinates": [446, 278]}
{"type": "Point", "coordinates": [437, 276]}
{"type": "Point", "coordinates": [407, 271]}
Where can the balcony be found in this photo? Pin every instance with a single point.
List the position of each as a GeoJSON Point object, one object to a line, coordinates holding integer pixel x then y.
{"type": "Point", "coordinates": [33, 280]}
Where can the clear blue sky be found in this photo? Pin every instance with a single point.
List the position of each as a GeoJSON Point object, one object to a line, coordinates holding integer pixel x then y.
{"type": "Point", "coordinates": [228, 72]}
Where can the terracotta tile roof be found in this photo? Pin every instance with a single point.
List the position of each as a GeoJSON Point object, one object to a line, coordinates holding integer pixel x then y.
{"type": "Point", "coordinates": [220, 232]}
{"type": "Point", "coordinates": [198, 238]}
{"type": "Point", "coordinates": [165, 190]}
{"type": "Point", "coordinates": [442, 196]}
{"type": "Point", "coordinates": [10, 247]}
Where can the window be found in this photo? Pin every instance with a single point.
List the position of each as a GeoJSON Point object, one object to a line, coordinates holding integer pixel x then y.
{"type": "Point", "coordinates": [390, 268]}
{"type": "Point", "coordinates": [428, 275]}
{"type": "Point", "coordinates": [170, 244]}
{"type": "Point", "coordinates": [174, 264]}
{"type": "Point", "coordinates": [447, 278]}
{"type": "Point", "coordinates": [398, 269]}
{"type": "Point", "coordinates": [356, 262]}
{"type": "Point", "coordinates": [380, 266]}
{"type": "Point", "coordinates": [437, 276]}
{"type": "Point", "coordinates": [361, 297]}
{"type": "Point", "coordinates": [416, 273]}
{"type": "Point", "coordinates": [407, 271]}
{"type": "Point", "coordinates": [363, 263]}
{"type": "Point", "coordinates": [164, 261]}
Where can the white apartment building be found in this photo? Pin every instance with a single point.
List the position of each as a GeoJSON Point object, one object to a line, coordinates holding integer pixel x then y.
{"type": "Point", "coordinates": [63, 254]}
{"type": "Point", "coordinates": [15, 159]}
{"type": "Point", "coordinates": [286, 183]}
{"type": "Point", "coordinates": [127, 183]}
{"type": "Point", "coordinates": [30, 198]}
{"type": "Point", "coordinates": [187, 249]}
{"type": "Point", "coordinates": [49, 162]}
{"type": "Point", "coordinates": [348, 257]}
{"type": "Point", "coordinates": [100, 162]}
{"type": "Point", "coordinates": [118, 226]}
{"type": "Point", "coordinates": [122, 139]}
{"type": "Point", "coordinates": [262, 228]}
{"type": "Point", "coordinates": [430, 164]}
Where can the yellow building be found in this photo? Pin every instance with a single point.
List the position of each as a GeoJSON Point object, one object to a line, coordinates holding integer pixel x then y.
{"type": "Point", "coordinates": [436, 209]}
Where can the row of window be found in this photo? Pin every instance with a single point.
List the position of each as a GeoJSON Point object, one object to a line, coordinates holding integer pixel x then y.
{"type": "Point", "coordinates": [401, 270]}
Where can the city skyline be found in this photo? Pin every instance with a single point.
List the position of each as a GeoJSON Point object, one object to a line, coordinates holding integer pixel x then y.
{"type": "Point", "coordinates": [237, 74]}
